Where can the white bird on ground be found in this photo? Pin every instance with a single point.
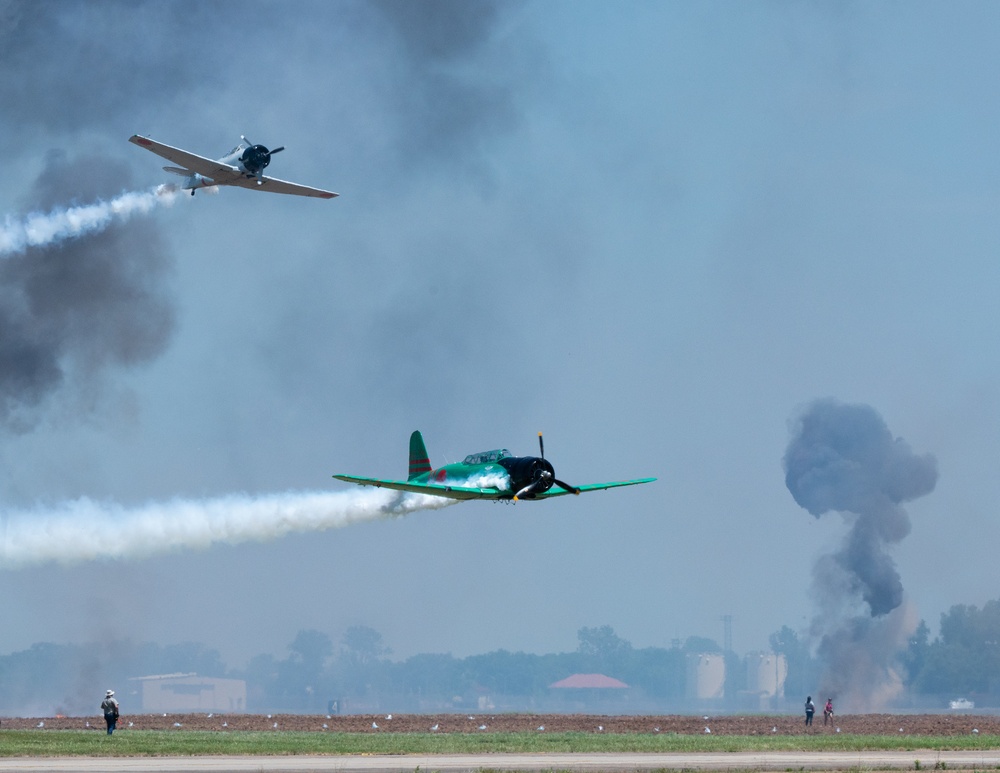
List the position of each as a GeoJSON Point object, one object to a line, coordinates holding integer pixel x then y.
{"type": "Point", "coordinates": [541, 727]}
{"type": "Point", "coordinates": [707, 730]}
{"type": "Point", "coordinates": [374, 726]}
{"type": "Point", "coordinates": [40, 724]}
{"type": "Point", "coordinates": [275, 725]}
{"type": "Point", "coordinates": [434, 727]}
{"type": "Point", "coordinates": [388, 716]}
{"type": "Point", "coordinates": [325, 726]}
{"type": "Point", "coordinates": [482, 727]}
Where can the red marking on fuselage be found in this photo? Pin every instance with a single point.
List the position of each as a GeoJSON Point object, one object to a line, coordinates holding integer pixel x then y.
{"type": "Point", "coordinates": [441, 475]}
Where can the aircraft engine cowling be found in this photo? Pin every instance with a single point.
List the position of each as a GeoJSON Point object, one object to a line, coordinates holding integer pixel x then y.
{"type": "Point", "coordinates": [529, 475]}
{"type": "Point", "coordinates": [255, 158]}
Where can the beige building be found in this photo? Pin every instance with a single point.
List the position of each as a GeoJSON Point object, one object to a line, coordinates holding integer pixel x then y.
{"type": "Point", "coordinates": [766, 674]}
{"type": "Point", "coordinates": [706, 676]}
{"type": "Point", "coordinates": [179, 693]}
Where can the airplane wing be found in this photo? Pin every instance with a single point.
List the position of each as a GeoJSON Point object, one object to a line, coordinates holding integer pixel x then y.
{"type": "Point", "coordinates": [274, 185]}
{"type": "Point", "coordinates": [222, 174]}
{"type": "Point", "coordinates": [434, 489]}
{"type": "Point", "coordinates": [468, 492]}
{"type": "Point", "coordinates": [558, 491]}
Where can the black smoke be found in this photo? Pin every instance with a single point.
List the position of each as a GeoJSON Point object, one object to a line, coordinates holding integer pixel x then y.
{"type": "Point", "coordinates": [73, 311]}
{"type": "Point", "coordinates": [844, 458]}
{"type": "Point", "coordinates": [452, 90]}
{"type": "Point", "coordinates": [72, 66]}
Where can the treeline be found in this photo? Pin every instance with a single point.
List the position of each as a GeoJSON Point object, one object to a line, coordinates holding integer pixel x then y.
{"type": "Point", "coordinates": [360, 676]}
{"type": "Point", "coordinates": [358, 673]}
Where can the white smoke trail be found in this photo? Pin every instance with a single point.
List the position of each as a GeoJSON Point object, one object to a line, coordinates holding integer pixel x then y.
{"type": "Point", "coordinates": [38, 229]}
{"type": "Point", "coordinates": [497, 480]}
{"type": "Point", "coordinates": [85, 530]}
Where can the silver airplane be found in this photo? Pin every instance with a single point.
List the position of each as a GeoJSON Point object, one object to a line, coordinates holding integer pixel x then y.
{"type": "Point", "coordinates": [243, 167]}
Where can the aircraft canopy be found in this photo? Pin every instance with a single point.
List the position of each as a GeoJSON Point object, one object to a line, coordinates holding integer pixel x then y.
{"type": "Point", "coordinates": [486, 457]}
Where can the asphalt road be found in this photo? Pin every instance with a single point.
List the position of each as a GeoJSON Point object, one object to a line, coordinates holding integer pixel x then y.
{"type": "Point", "coordinates": [455, 763]}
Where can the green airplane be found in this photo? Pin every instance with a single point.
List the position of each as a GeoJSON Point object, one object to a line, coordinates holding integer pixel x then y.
{"type": "Point", "coordinates": [496, 475]}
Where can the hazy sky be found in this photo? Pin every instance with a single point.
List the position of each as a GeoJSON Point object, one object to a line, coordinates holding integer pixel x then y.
{"type": "Point", "coordinates": [655, 231]}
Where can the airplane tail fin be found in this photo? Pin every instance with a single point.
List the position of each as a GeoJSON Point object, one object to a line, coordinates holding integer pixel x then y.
{"type": "Point", "coordinates": [419, 463]}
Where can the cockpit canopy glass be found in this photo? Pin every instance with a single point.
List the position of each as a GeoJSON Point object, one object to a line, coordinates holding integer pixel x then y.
{"type": "Point", "coordinates": [486, 457]}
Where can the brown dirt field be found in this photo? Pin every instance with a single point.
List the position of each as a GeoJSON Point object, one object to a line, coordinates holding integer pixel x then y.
{"type": "Point", "coordinates": [866, 724]}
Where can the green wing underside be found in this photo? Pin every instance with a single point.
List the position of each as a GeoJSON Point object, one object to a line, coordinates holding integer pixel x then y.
{"type": "Point", "coordinates": [469, 492]}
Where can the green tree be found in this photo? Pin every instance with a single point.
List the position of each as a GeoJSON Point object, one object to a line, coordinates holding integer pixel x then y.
{"type": "Point", "coordinates": [699, 644]}
{"type": "Point", "coordinates": [659, 673]}
{"type": "Point", "coordinates": [917, 648]}
{"type": "Point", "coordinates": [602, 643]}
{"type": "Point", "coordinates": [803, 670]}
{"type": "Point", "coordinates": [965, 658]}
{"type": "Point", "coordinates": [363, 645]}
{"type": "Point", "coordinates": [361, 669]}
{"type": "Point", "coordinates": [311, 649]}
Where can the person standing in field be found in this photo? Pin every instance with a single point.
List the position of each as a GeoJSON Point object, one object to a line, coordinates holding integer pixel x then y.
{"type": "Point", "coordinates": [110, 708]}
{"type": "Point", "coordinates": [810, 709]}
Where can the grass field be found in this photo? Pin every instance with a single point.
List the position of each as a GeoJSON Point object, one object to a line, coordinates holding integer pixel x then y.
{"type": "Point", "coordinates": [129, 743]}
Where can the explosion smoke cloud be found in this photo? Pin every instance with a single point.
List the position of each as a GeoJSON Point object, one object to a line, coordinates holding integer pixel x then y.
{"type": "Point", "coordinates": [844, 458]}
{"type": "Point", "coordinates": [40, 230]}
{"type": "Point", "coordinates": [85, 530]}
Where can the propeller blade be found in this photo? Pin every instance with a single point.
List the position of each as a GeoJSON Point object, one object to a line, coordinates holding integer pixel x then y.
{"type": "Point", "coordinates": [541, 446]}
{"type": "Point", "coordinates": [569, 488]}
{"type": "Point", "coordinates": [276, 150]}
{"type": "Point", "coordinates": [244, 138]}
{"type": "Point", "coordinates": [525, 491]}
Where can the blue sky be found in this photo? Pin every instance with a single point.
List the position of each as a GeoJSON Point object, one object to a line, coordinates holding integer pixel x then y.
{"type": "Point", "coordinates": [655, 231]}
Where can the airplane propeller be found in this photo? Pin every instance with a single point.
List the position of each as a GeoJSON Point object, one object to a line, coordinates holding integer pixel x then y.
{"type": "Point", "coordinates": [256, 157]}
{"type": "Point", "coordinates": [543, 476]}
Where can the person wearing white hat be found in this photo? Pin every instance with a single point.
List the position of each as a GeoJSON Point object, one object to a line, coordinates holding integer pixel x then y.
{"type": "Point", "coordinates": [110, 708]}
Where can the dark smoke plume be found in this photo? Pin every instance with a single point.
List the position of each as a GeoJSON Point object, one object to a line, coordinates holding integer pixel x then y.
{"type": "Point", "coordinates": [79, 65]}
{"type": "Point", "coordinates": [844, 458]}
{"type": "Point", "coordinates": [450, 96]}
{"type": "Point", "coordinates": [74, 309]}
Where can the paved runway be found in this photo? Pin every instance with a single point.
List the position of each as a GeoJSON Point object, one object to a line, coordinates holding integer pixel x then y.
{"type": "Point", "coordinates": [456, 763]}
